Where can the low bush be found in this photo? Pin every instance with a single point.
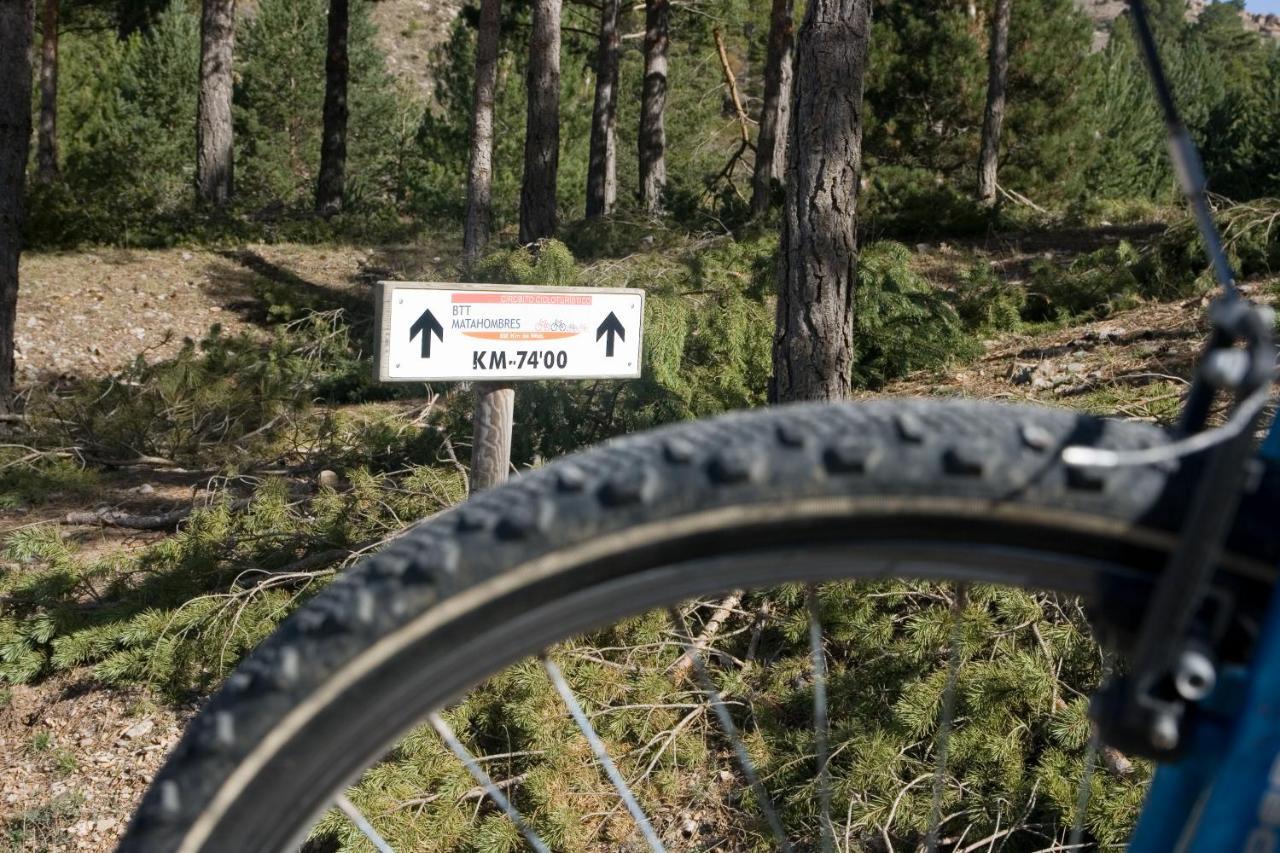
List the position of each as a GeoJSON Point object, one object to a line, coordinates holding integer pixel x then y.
{"type": "Point", "coordinates": [902, 321]}
{"type": "Point", "coordinates": [987, 303]}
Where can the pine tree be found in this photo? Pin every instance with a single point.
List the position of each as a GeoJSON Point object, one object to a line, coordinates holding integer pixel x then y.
{"type": "Point", "coordinates": [17, 22]}
{"type": "Point", "coordinates": [542, 125]}
{"type": "Point", "coordinates": [214, 138]}
{"type": "Point", "coordinates": [479, 212]}
{"type": "Point", "coordinates": [818, 257]}
{"type": "Point", "coordinates": [602, 177]}
{"type": "Point", "coordinates": [333, 146]}
{"type": "Point", "coordinates": [47, 147]}
{"type": "Point", "coordinates": [653, 105]}
{"type": "Point", "coordinates": [775, 109]}
{"type": "Point", "coordinates": [993, 117]}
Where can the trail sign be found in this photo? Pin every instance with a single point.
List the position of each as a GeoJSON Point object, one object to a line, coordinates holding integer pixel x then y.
{"type": "Point", "coordinates": [487, 332]}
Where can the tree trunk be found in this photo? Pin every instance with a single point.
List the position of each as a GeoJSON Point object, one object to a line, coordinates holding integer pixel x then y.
{"type": "Point", "coordinates": [602, 167]}
{"type": "Point", "coordinates": [213, 110]}
{"type": "Point", "coordinates": [542, 125]}
{"type": "Point", "coordinates": [771, 144]}
{"type": "Point", "coordinates": [47, 147]}
{"type": "Point", "coordinates": [653, 105]}
{"type": "Point", "coordinates": [818, 257]}
{"type": "Point", "coordinates": [17, 24]}
{"type": "Point", "coordinates": [491, 435]}
{"type": "Point", "coordinates": [333, 143]}
{"type": "Point", "coordinates": [784, 115]}
{"type": "Point", "coordinates": [997, 81]}
{"type": "Point", "coordinates": [475, 234]}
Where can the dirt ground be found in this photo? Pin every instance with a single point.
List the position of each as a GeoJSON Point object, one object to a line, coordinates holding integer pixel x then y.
{"type": "Point", "coordinates": [78, 756]}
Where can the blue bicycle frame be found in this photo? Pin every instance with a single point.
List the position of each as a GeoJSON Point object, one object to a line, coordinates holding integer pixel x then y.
{"type": "Point", "coordinates": [1224, 794]}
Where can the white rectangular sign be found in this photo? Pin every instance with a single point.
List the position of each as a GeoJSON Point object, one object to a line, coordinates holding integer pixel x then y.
{"type": "Point", "coordinates": [428, 331]}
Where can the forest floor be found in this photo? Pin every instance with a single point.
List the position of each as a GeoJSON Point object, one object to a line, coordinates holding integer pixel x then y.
{"type": "Point", "coordinates": [78, 753]}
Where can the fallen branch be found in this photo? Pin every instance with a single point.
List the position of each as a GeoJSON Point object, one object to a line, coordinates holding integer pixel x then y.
{"type": "Point", "coordinates": [731, 83]}
{"type": "Point", "coordinates": [1019, 198]}
{"type": "Point", "coordinates": [119, 518]}
{"type": "Point", "coordinates": [477, 793]}
{"type": "Point", "coordinates": [680, 669]}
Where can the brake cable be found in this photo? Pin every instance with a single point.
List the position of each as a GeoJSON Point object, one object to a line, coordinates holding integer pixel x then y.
{"type": "Point", "coordinates": [1173, 664]}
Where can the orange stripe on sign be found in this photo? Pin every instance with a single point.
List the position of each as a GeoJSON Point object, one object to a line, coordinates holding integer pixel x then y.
{"type": "Point", "coordinates": [524, 298]}
{"type": "Point", "coordinates": [520, 336]}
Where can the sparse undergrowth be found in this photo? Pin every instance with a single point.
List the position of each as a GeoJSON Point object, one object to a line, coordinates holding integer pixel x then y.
{"type": "Point", "coordinates": [255, 419]}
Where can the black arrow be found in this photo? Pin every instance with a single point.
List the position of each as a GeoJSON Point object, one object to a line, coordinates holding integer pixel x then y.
{"type": "Point", "coordinates": [611, 326]}
{"type": "Point", "coordinates": [427, 325]}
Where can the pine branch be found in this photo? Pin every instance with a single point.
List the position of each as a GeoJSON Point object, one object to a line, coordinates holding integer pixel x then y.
{"type": "Point", "coordinates": [680, 669]}
{"type": "Point", "coordinates": [118, 518]}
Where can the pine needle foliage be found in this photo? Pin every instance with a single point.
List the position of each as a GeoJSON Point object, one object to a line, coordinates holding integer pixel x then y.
{"type": "Point", "coordinates": [180, 614]}
{"type": "Point", "coordinates": [1015, 759]}
{"type": "Point", "coordinates": [902, 321]}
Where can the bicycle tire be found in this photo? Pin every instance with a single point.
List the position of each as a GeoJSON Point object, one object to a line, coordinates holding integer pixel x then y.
{"type": "Point", "coordinates": [914, 488]}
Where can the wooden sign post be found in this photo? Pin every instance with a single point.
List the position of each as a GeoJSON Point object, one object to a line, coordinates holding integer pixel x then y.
{"type": "Point", "coordinates": [497, 334]}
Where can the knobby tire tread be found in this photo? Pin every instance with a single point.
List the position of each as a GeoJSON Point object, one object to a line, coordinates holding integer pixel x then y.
{"type": "Point", "coordinates": [985, 455]}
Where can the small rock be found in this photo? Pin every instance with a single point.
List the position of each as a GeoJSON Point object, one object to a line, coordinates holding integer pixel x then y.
{"type": "Point", "coordinates": [327, 479]}
{"type": "Point", "coordinates": [146, 489]}
{"type": "Point", "coordinates": [138, 332]}
{"type": "Point", "coordinates": [186, 256]}
{"type": "Point", "coordinates": [139, 729]}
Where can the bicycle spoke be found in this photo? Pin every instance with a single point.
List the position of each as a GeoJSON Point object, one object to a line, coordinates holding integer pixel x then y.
{"type": "Point", "coordinates": [477, 772]}
{"type": "Point", "coordinates": [947, 718]}
{"type": "Point", "coordinates": [821, 727]}
{"type": "Point", "coordinates": [745, 763]}
{"type": "Point", "coordinates": [602, 755]}
{"type": "Point", "coordinates": [1076, 839]}
{"type": "Point", "coordinates": [357, 817]}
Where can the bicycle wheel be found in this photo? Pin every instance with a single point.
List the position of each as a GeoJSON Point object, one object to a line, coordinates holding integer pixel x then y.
{"type": "Point", "coordinates": [919, 489]}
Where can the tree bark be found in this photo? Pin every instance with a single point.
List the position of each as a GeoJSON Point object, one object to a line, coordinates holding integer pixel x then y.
{"type": "Point", "coordinates": [214, 163]}
{"type": "Point", "coordinates": [47, 147]}
{"type": "Point", "coordinates": [993, 120]}
{"type": "Point", "coordinates": [475, 234]}
{"type": "Point", "coordinates": [602, 166]}
{"type": "Point", "coordinates": [818, 257]}
{"type": "Point", "coordinates": [653, 105]}
{"type": "Point", "coordinates": [333, 143]}
{"type": "Point", "coordinates": [17, 25]}
{"type": "Point", "coordinates": [542, 125]}
{"type": "Point", "coordinates": [771, 143]}
{"type": "Point", "coordinates": [491, 435]}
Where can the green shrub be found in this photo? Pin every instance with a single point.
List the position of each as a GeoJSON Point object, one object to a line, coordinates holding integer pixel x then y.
{"type": "Point", "coordinates": [902, 321]}
{"type": "Point", "coordinates": [1100, 283]}
{"type": "Point", "coordinates": [180, 613]}
{"type": "Point", "coordinates": [279, 106]}
{"type": "Point", "coordinates": [547, 262]}
{"type": "Point", "coordinates": [986, 303]}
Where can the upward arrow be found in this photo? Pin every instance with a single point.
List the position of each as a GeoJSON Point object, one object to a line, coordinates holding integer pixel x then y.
{"type": "Point", "coordinates": [611, 326]}
{"type": "Point", "coordinates": [427, 325]}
